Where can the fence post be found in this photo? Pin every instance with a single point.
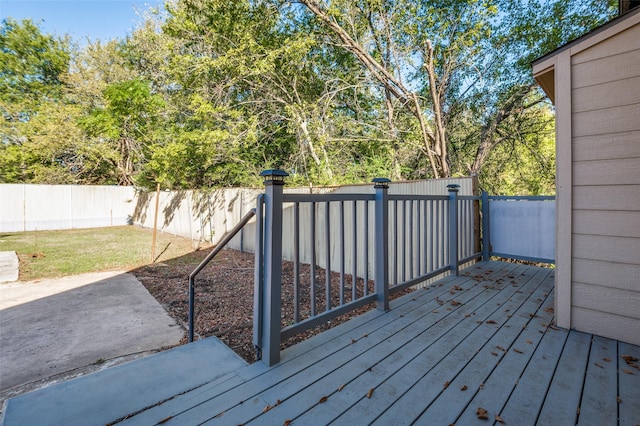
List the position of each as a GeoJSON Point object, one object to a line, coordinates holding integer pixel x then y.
{"type": "Point", "coordinates": [258, 299]}
{"type": "Point", "coordinates": [381, 232]}
{"type": "Point", "coordinates": [486, 243]}
{"type": "Point", "coordinates": [453, 227]}
{"type": "Point", "coordinates": [271, 293]}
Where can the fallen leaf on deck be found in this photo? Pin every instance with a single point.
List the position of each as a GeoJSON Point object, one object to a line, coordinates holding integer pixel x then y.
{"type": "Point", "coordinates": [517, 350]}
{"type": "Point", "coordinates": [529, 341]}
{"type": "Point", "coordinates": [491, 322]}
{"type": "Point", "coordinates": [278, 402]}
{"type": "Point", "coordinates": [533, 315]}
{"type": "Point", "coordinates": [501, 348]}
{"type": "Point", "coordinates": [455, 303]}
{"type": "Point", "coordinates": [353, 341]}
{"type": "Point", "coordinates": [287, 422]}
{"type": "Point", "coordinates": [370, 393]}
{"type": "Point", "coordinates": [166, 419]}
{"type": "Point", "coordinates": [435, 312]}
{"type": "Point", "coordinates": [627, 371]}
{"type": "Point", "coordinates": [606, 359]}
{"type": "Point", "coordinates": [549, 310]}
{"type": "Point", "coordinates": [598, 365]}
{"type": "Point", "coordinates": [464, 388]}
{"type": "Point", "coordinates": [220, 414]}
{"type": "Point", "coordinates": [481, 386]}
{"type": "Point", "coordinates": [446, 384]}
{"type": "Point", "coordinates": [365, 335]}
{"type": "Point", "coordinates": [267, 408]}
{"type": "Point", "coordinates": [494, 354]}
{"type": "Point", "coordinates": [448, 309]}
{"type": "Point", "coordinates": [618, 399]}
{"type": "Point", "coordinates": [482, 413]}
{"type": "Point", "coordinates": [467, 315]}
{"type": "Point", "coordinates": [499, 419]}
{"type": "Point", "coordinates": [341, 387]}
{"type": "Point", "coordinates": [323, 399]}
{"type": "Point", "coordinates": [457, 288]}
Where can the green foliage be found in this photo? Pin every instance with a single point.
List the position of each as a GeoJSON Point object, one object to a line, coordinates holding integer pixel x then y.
{"type": "Point", "coordinates": [212, 92]}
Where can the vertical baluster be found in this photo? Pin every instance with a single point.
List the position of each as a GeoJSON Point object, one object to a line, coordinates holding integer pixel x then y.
{"type": "Point", "coordinates": [312, 266]}
{"type": "Point", "coordinates": [395, 243]}
{"type": "Point", "coordinates": [296, 262]}
{"type": "Point", "coordinates": [354, 250]}
{"type": "Point", "coordinates": [411, 238]}
{"type": "Point", "coordinates": [366, 248]}
{"type": "Point", "coordinates": [341, 253]}
{"type": "Point", "coordinates": [327, 271]}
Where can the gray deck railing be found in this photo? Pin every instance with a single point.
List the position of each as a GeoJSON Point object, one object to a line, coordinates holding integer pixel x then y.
{"type": "Point", "coordinates": [403, 240]}
{"type": "Point", "coordinates": [192, 277]}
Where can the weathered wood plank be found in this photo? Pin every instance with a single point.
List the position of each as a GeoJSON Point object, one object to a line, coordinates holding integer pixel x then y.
{"type": "Point", "coordinates": [486, 379]}
{"type": "Point", "coordinates": [599, 405]}
{"type": "Point", "coordinates": [302, 371]}
{"type": "Point", "coordinates": [424, 377]}
{"type": "Point", "coordinates": [628, 385]}
{"type": "Point", "coordinates": [355, 388]}
{"type": "Point", "coordinates": [563, 397]}
{"type": "Point", "coordinates": [406, 339]}
{"type": "Point", "coordinates": [524, 404]}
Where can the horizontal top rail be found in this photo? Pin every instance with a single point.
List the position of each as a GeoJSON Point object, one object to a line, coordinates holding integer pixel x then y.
{"type": "Point", "coordinates": [470, 197]}
{"type": "Point", "coordinates": [523, 197]}
{"type": "Point", "coordinates": [308, 198]}
{"type": "Point", "coordinates": [415, 197]}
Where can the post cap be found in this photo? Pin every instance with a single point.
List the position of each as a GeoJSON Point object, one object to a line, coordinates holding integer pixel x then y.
{"type": "Point", "coordinates": [381, 182]}
{"type": "Point", "coordinates": [453, 187]}
{"type": "Point", "coordinates": [274, 176]}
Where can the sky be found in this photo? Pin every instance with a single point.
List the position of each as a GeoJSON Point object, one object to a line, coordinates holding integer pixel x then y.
{"type": "Point", "coordinates": [80, 19]}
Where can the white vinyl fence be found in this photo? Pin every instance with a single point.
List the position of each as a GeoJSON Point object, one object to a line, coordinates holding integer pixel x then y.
{"type": "Point", "coordinates": [50, 207]}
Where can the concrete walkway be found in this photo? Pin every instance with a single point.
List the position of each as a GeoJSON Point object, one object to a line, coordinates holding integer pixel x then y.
{"type": "Point", "coordinates": [50, 327]}
{"type": "Point", "coordinates": [9, 266]}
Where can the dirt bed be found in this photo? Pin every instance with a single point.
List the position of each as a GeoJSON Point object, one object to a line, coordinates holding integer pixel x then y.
{"type": "Point", "coordinates": [224, 296]}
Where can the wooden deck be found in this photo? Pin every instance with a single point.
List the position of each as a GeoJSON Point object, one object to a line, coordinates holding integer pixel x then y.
{"type": "Point", "coordinates": [483, 340]}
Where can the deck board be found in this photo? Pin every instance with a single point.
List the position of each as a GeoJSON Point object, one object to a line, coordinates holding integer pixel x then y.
{"type": "Point", "coordinates": [629, 385]}
{"type": "Point", "coordinates": [563, 397]}
{"type": "Point", "coordinates": [599, 405]}
{"type": "Point", "coordinates": [417, 358]}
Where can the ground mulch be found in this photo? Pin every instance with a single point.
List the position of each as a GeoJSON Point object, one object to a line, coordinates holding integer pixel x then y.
{"type": "Point", "coordinates": [224, 296]}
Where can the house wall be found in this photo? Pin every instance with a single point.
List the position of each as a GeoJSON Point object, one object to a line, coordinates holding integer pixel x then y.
{"type": "Point", "coordinates": [605, 185]}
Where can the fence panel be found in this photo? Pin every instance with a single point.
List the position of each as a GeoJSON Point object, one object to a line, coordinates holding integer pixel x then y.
{"type": "Point", "coordinates": [523, 228]}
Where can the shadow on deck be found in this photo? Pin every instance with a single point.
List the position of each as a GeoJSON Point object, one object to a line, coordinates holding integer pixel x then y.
{"type": "Point", "coordinates": [469, 347]}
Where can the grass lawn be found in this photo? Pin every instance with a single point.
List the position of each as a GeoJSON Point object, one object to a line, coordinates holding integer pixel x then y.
{"type": "Point", "coordinates": [50, 254]}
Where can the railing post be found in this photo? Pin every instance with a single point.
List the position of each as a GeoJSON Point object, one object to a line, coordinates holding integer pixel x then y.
{"type": "Point", "coordinates": [258, 299]}
{"type": "Point", "coordinates": [453, 227]}
{"type": "Point", "coordinates": [271, 293]}
{"type": "Point", "coordinates": [381, 232]}
{"type": "Point", "coordinates": [486, 242]}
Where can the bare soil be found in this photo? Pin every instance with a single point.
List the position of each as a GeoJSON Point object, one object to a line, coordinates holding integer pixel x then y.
{"type": "Point", "coordinates": [224, 296]}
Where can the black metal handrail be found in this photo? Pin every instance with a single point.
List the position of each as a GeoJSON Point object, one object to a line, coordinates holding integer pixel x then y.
{"type": "Point", "coordinates": [223, 242]}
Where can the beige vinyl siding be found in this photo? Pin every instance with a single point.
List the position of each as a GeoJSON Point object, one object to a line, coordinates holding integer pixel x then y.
{"type": "Point", "coordinates": [619, 145]}
{"type": "Point", "coordinates": [605, 121]}
{"type": "Point", "coordinates": [604, 324]}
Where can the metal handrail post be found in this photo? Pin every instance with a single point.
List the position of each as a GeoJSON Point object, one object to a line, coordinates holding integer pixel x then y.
{"type": "Point", "coordinates": [272, 278]}
{"type": "Point", "coordinates": [381, 272]}
{"type": "Point", "coordinates": [192, 276]}
{"type": "Point", "coordinates": [453, 227]}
